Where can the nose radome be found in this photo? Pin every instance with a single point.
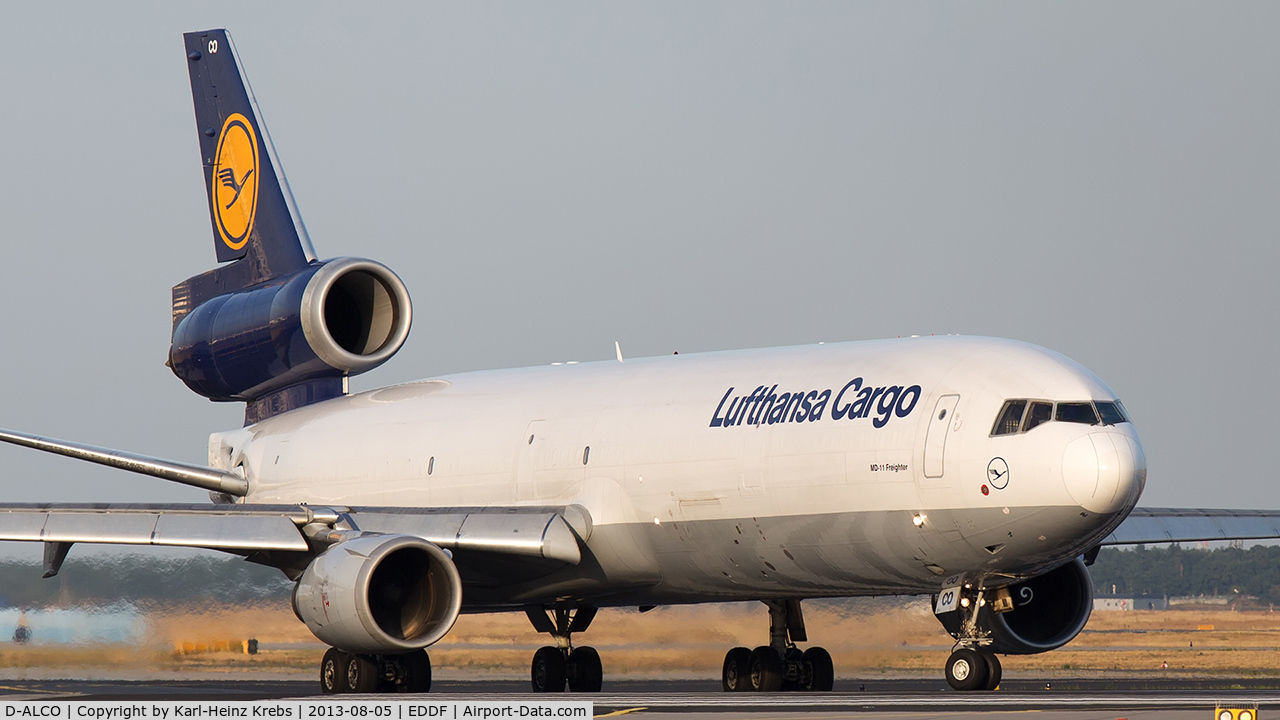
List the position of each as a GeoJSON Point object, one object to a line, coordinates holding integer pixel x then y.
{"type": "Point", "coordinates": [1103, 471]}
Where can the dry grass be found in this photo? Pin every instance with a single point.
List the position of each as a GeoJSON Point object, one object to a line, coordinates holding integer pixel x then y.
{"type": "Point", "coordinates": [692, 641]}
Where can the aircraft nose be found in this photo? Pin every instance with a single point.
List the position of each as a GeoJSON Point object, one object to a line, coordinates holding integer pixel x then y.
{"type": "Point", "coordinates": [1104, 471]}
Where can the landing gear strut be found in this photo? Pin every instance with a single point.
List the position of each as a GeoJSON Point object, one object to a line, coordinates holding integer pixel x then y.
{"type": "Point", "coordinates": [780, 665]}
{"type": "Point", "coordinates": [342, 672]}
{"type": "Point", "coordinates": [555, 666]}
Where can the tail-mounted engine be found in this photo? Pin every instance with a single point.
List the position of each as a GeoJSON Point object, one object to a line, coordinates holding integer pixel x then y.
{"type": "Point", "coordinates": [1035, 615]}
{"type": "Point", "coordinates": [329, 320]}
{"type": "Point", "coordinates": [379, 594]}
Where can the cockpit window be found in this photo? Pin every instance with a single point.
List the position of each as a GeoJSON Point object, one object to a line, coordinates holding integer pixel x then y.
{"type": "Point", "coordinates": [1077, 412]}
{"type": "Point", "coordinates": [1024, 415]}
{"type": "Point", "coordinates": [1040, 413]}
{"type": "Point", "coordinates": [1112, 413]}
{"type": "Point", "coordinates": [1009, 418]}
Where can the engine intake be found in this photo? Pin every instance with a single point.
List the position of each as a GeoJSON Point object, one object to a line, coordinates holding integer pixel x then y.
{"type": "Point", "coordinates": [339, 317]}
{"type": "Point", "coordinates": [1048, 611]}
{"type": "Point", "coordinates": [379, 594]}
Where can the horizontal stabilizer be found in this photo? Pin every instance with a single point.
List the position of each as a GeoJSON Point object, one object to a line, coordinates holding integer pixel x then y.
{"type": "Point", "coordinates": [1169, 525]}
{"type": "Point", "coordinates": [179, 472]}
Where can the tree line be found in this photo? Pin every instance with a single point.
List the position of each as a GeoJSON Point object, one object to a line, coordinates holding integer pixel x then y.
{"type": "Point", "coordinates": [1178, 571]}
{"type": "Point", "coordinates": [140, 579]}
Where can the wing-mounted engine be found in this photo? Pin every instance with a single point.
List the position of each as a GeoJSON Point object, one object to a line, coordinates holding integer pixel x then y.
{"type": "Point", "coordinates": [1044, 612]}
{"type": "Point", "coordinates": [379, 594]}
{"type": "Point", "coordinates": [329, 320]}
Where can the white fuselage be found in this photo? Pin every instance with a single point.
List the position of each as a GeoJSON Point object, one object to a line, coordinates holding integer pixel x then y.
{"type": "Point", "coordinates": [837, 469]}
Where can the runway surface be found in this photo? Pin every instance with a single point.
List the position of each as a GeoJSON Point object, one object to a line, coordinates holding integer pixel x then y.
{"type": "Point", "coordinates": [1068, 699]}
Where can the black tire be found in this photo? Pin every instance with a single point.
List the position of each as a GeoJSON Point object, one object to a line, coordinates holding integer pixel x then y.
{"type": "Point", "coordinates": [547, 673]}
{"type": "Point", "coordinates": [332, 668]}
{"type": "Point", "coordinates": [818, 674]}
{"type": "Point", "coordinates": [735, 676]}
{"type": "Point", "coordinates": [966, 670]}
{"type": "Point", "coordinates": [417, 672]}
{"type": "Point", "coordinates": [994, 671]}
{"type": "Point", "coordinates": [584, 670]}
{"type": "Point", "coordinates": [764, 672]}
{"type": "Point", "coordinates": [361, 675]}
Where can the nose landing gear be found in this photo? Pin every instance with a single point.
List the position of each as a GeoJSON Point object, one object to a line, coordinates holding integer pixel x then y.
{"type": "Point", "coordinates": [555, 666]}
{"type": "Point", "coordinates": [780, 665]}
{"type": "Point", "coordinates": [972, 665]}
{"type": "Point", "coordinates": [970, 669]}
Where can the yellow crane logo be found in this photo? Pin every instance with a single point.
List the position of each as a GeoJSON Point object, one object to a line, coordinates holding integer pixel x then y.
{"type": "Point", "coordinates": [235, 187]}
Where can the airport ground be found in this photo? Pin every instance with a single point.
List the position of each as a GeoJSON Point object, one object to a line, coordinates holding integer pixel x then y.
{"type": "Point", "coordinates": [888, 658]}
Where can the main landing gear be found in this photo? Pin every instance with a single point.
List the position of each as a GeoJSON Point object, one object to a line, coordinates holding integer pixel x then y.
{"type": "Point", "coordinates": [343, 672]}
{"type": "Point", "coordinates": [555, 666]}
{"type": "Point", "coordinates": [780, 665]}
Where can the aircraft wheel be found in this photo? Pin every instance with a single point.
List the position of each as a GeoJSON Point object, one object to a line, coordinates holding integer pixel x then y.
{"type": "Point", "coordinates": [417, 672]}
{"type": "Point", "coordinates": [735, 676]}
{"type": "Point", "coordinates": [584, 670]}
{"type": "Point", "coordinates": [818, 673]}
{"type": "Point", "coordinates": [361, 675]}
{"type": "Point", "coordinates": [547, 674]}
{"type": "Point", "coordinates": [966, 670]}
{"type": "Point", "coordinates": [765, 670]}
{"type": "Point", "coordinates": [994, 671]}
{"type": "Point", "coordinates": [331, 669]}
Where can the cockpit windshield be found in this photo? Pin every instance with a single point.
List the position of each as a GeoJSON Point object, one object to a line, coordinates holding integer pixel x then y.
{"type": "Point", "coordinates": [1112, 413]}
{"type": "Point", "coordinates": [1041, 412]}
{"type": "Point", "coordinates": [1022, 415]}
{"type": "Point", "coordinates": [1010, 418]}
{"type": "Point", "coordinates": [1077, 412]}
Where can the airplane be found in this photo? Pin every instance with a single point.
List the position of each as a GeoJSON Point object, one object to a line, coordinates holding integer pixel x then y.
{"type": "Point", "coordinates": [982, 472]}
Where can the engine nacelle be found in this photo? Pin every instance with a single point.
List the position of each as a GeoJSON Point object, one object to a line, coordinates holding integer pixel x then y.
{"type": "Point", "coordinates": [1048, 611]}
{"type": "Point", "coordinates": [379, 594]}
{"type": "Point", "coordinates": [339, 317]}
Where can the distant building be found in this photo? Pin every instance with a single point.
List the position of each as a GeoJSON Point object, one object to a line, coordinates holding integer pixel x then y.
{"type": "Point", "coordinates": [1130, 602]}
{"type": "Point", "coordinates": [1201, 600]}
{"type": "Point", "coordinates": [1112, 602]}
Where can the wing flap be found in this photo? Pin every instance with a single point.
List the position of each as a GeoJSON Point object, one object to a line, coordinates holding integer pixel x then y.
{"type": "Point", "coordinates": [537, 532]}
{"type": "Point", "coordinates": [527, 532]}
{"type": "Point", "coordinates": [229, 532]}
{"type": "Point", "coordinates": [182, 526]}
{"type": "Point", "coordinates": [1169, 525]}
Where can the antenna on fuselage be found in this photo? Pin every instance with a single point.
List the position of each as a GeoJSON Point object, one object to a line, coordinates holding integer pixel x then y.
{"type": "Point", "coordinates": [617, 347]}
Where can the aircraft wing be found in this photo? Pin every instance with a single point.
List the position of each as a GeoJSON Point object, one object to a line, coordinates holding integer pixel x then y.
{"type": "Point", "coordinates": [550, 533]}
{"type": "Point", "coordinates": [1168, 525]}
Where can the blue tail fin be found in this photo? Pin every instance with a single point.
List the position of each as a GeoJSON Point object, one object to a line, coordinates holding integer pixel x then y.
{"type": "Point", "coordinates": [250, 204]}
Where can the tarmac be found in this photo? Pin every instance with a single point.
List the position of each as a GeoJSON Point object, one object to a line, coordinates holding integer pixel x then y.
{"type": "Point", "coordinates": [1050, 699]}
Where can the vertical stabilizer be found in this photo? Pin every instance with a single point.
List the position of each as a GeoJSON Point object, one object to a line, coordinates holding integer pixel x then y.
{"type": "Point", "coordinates": [252, 210]}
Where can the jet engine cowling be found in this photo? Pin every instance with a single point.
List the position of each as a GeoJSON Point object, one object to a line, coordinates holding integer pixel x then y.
{"type": "Point", "coordinates": [379, 594]}
{"type": "Point", "coordinates": [333, 318]}
{"type": "Point", "coordinates": [1048, 611]}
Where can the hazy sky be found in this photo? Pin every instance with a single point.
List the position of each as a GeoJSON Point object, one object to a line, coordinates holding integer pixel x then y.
{"type": "Point", "coordinates": [1099, 178]}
